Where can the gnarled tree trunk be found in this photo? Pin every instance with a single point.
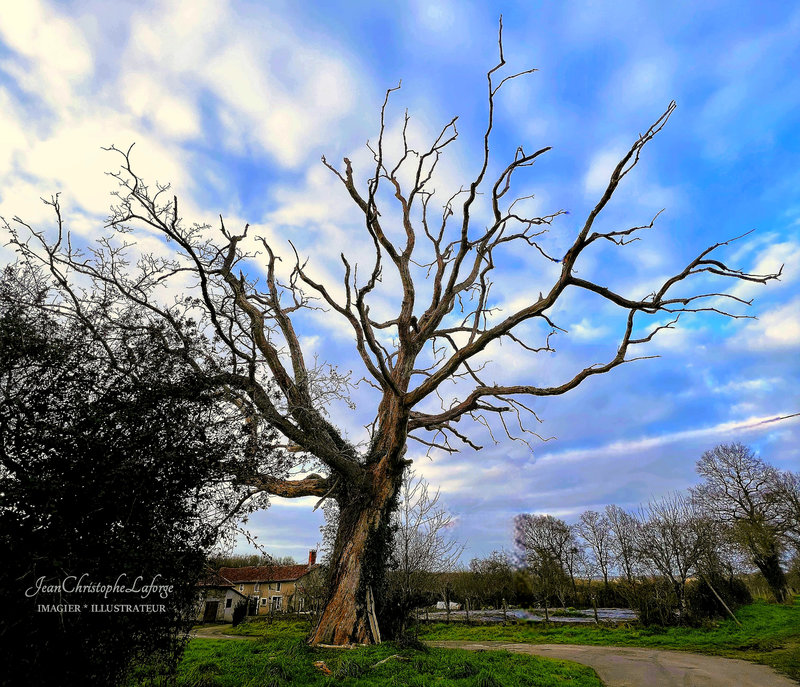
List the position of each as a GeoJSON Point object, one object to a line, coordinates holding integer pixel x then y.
{"type": "Point", "coordinates": [357, 564]}
{"type": "Point", "coordinates": [363, 538]}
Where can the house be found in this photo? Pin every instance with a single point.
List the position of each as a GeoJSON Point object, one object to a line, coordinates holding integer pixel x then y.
{"type": "Point", "coordinates": [275, 588]}
{"type": "Point", "coordinates": [218, 598]}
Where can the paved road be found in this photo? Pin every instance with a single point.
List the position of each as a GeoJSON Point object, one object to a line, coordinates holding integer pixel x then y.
{"type": "Point", "coordinates": [633, 667]}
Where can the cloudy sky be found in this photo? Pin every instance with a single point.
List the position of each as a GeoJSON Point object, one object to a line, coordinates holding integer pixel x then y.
{"type": "Point", "coordinates": [235, 102]}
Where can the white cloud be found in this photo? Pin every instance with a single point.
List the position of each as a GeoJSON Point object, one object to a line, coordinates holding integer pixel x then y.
{"type": "Point", "coordinates": [12, 132]}
{"type": "Point", "coordinates": [747, 386]}
{"type": "Point", "coordinates": [632, 447]}
{"type": "Point", "coordinates": [774, 329]}
{"type": "Point", "coordinates": [273, 89]}
{"type": "Point", "coordinates": [643, 81]}
{"type": "Point", "coordinates": [54, 52]}
{"type": "Point", "coordinates": [175, 116]}
{"type": "Point", "coordinates": [601, 166]}
{"type": "Point", "coordinates": [586, 331]}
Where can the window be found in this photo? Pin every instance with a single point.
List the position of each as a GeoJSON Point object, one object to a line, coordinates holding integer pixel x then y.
{"type": "Point", "coordinates": [257, 587]}
{"type": "Point", "coordinates": [264, 601]}
{"type": "Point", "coordinates": [277, 603]}
{"type": "Point", "coordinates": [241, 587]}
{"type": "Point", "coordinates": [228, 603]}
{"type": "Point", "coordinates": [277, 586]}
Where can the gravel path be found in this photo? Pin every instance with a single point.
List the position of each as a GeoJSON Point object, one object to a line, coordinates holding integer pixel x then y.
{"type": "Point", "coordinates": [633, 667]}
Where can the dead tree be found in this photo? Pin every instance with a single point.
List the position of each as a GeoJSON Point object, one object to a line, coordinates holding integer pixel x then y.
{"type": "Point", "coordinates": [442, 330]}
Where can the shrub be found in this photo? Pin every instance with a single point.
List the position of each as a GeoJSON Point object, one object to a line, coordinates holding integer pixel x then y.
{"type": "Point", "coordinates": [239, 612]}
{"type": "Point", "coordinates": [654, 600]}
{"type": "Point", "coordinates": [462, 670]}
{"type": "Point", "coordinates": [702, 604]}
{"type": "Point", "coordinates": [347, 667]}
{"type": "Point", "coordinates": [110, 472]}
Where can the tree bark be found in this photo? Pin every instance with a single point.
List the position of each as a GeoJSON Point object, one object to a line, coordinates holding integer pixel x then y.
{"type": "Point", "coordinates": [358, 558]}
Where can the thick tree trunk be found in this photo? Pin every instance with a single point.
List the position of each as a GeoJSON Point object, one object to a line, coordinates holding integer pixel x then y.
{"type": "Point", "coordinates": [363, 538]}
{"type": "Point", "coordinates": [357, 563]}
{"type": "Point", "coordinates": [770, 567]}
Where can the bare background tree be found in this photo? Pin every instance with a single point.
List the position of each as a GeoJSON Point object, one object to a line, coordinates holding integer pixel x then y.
{"type": "Point", "coordinates": [424, 547]}
{"type": "Point", "coordinates": [493, 580]}
{"type": "Point", "coordinates": [551, 552]}
{"type": "Point", "coordinates": [624, 527]}
{"type": "Point", "coordinates": [755, 500]}
{"type": "Point", "coordinates": [683, 558]}
{"type": "Point", "coordinates": [671, 541]}
{"type": "Point", "coordinates": [439, 269]}
{"type": "Point", "coordinates": [595, 529]}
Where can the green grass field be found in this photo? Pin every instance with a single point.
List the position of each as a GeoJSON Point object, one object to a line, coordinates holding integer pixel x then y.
{"type": "Point", "coordinates": [770, 634]}
{"type": "Point", "coordinates": [278, 655]}
{"type": "Point", "coordinates": [275, 661]}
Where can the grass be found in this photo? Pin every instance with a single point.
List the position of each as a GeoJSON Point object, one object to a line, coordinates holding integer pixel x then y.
{"type": "Point", "coordinates": [770, 634]}
{"type": "Point", "coordinates": [280, 659]}
{"type": "Point", "coordinates": [276, 628]}
{"type": "Point", "coordinates": [278, 655]}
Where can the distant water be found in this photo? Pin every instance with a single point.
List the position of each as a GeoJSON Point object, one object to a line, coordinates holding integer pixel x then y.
{"type": "Point", "coordinates": [496, 616]}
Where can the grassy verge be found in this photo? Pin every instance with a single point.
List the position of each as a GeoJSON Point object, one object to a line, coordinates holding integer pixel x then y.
{"type": "Point", "coordinates": [770, 634]}
{"type": "Point", "coordinates": [275, 629]}
{"type": "Point", "coordinates": [274, 661]}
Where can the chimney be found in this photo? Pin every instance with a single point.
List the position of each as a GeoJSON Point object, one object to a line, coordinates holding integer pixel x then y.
{"type": "Point", "coordinates": [312, 558]}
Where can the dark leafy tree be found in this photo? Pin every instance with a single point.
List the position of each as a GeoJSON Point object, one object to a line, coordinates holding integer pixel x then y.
{"type": "Point", "coordinates": [105, 478]}
{"type": "Point", "coordinates": [433, 272]}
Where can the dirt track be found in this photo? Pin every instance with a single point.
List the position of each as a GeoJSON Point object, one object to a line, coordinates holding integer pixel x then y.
{"type": "Point", "coordinates": [632, 667]}
{"type": "Point", "coordinates": [215, 632]}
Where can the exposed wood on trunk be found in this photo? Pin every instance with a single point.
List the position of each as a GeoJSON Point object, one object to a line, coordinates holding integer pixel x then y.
{"type": "Point", "coordinates": [373, 618]}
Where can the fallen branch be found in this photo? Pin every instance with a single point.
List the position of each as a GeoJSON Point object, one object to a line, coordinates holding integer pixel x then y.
{"type": "Point", "coordinates": [389, 658]}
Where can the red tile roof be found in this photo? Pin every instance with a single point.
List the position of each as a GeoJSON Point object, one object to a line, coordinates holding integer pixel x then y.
{"type": "Point", "coordinates": [214, 579]}
{"type": "Point", "coordinates": [265, 573]}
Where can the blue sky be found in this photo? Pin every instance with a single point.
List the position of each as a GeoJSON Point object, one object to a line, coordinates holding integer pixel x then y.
{"type": "Point", "coordinates": [235, 102]}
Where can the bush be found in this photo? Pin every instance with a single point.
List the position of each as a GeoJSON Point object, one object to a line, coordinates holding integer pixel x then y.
{"type": "Point", "coordinates": [702, 604]}
{"type": "Point", "coordinates": [654, 600]}
{"type": "Point", "coordinates": [103, 477]}
{"type": "Point", "coordinates": [239, 612]}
